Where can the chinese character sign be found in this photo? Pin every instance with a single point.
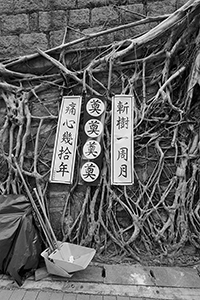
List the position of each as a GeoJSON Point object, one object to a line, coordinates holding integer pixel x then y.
{"type": "Point", "coordinates": [122, 140]}
{"type": "Point", "coordinates": [62, 168]}
{"type": "Point", "coordinates": [94, 115]}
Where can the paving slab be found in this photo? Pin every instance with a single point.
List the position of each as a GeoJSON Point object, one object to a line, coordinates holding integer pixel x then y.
{"type": "Point", "coordinates": [96, 297]}
{"type": "Point", "coordinates": [152, 276]}
{"type": "Point", "coordinates": [120, 282]}
{"type": "Point", "coordinates": [90, 274]}
{"type": "Point", "coordinates": [17, 294]}
{"type": "Point", "coordinates": [56, 296]}
{"type": "Point", "coordinates": [175, 277]}
{"type": "Point", "coordinates": [53, 285]}
{"type": "Point", "coordinates": [43, 295]}
{"type": "Point", "coordinates": [5, 294]}
{"type": "Point", "coordinates": [31, 295]}
{"type": "Point", "coordinates": [83, 297]}
{"type": "Point", "coordinates": [107, 297]}
{"type": "Point", "coordinates": [137, 291]}
{"type": "Point", "coordinates": [69, 297]}
{"type": "Point", "coordinates": [127, 274]}
{"type": "Point", "coordinates": [41, 273]}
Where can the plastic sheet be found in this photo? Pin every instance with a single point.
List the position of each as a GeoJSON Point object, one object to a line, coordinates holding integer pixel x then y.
{"type": "Point", "coordinates": [20, 244]}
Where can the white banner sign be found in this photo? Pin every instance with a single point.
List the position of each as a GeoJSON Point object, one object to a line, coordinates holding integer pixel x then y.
{"type": "Point", "coordinates": [93, 128]}
{"type": "Point", "coordinates": [122, 140]}
{"type": "Point", "coordinates": [62, 168]}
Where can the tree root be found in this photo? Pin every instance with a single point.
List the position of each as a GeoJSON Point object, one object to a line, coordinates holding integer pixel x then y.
{"type": "Point", "coordinates": [156, 217]}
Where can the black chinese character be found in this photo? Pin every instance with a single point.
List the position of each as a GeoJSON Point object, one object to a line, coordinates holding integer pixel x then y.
{"type": "Point", "coordinates": [63, 169]}
{"type": "Point", "coordinates": [71, 110]}
{"type": "Point", "coordinates": [69, 123]}
{"type": "Point", "coordinates": [123, 171]}
{"type": "Point", "coordinates": [91, 149]}
{"type": "Point", "coordinates": [121, 108]}
{"type": "Point", "coordinates": [122, 122]}
{"type": "Point", "coordinates": [94, 125]}
{"type": "Point", "coordinates": [95, 107]}
{"type": "Point", "coordinates": [64, 153]}
{"type": "Point", "coordinates": [67, 138]}
{"type": "Point", "coordinates": [89, 171]}
{"type": "Point", "coordinates": [123, 153]}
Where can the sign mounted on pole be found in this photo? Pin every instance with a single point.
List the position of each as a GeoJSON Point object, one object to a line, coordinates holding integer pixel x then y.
{"type": "Point", "coordinates": [122, 140]}
{"type": "Point", "coordinates": [91, 137]}
{"type": "Point", "coordinates": [64, 154]}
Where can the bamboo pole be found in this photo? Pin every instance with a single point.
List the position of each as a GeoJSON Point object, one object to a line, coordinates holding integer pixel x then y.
{"type": "Point", "coordinates": [44, 228]}
{"type": "Point", "coordinates": [46, 218]}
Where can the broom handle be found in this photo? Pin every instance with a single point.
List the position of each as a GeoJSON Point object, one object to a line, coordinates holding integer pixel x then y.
{"type": "Point", "coordinates": [46, 219]}
{"type": "Point", "coordinates": [46, 233]}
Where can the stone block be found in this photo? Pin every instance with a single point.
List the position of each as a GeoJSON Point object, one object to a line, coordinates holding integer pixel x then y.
{"type": "Point", "coordinates": [118, 35]}
{"type": "Point", "coordinates": [15, 24]}
{"type": "Point", "coordinates": [103, 39]}
{"type": "Point", "coordinates": [53, 20]}
{"type": "Point", "coordinates": [29, 5]}
{"type": "Point", "coordinates": [30, 42]}
{"type": "Point", "coordinates": [57, 200]}
{"type": "Point", "coordinates": [131, 13]}
{"type": "Point", "coordinates": [33, 22]}
{"type": "Point", "coordinates": [6, 6]}
{"type": "Point", "coordinates": [135, 1]}
{"type": "Point", "coordinates": [58, 19]}
{"type": "Point", "coordinates": [98, 41]}
{"type": "Point", "coordinates": [161, 7]}
{"type": "Point", "coordinates": [58, 187]}
{"type": "Point", "coordinates": [2, 110]}
{"type": "Point", "coordinates": [55, 217]}
{"type": "Point", "coordinates": [79, 18]}
{"type": "Point", "coordinates": [9, 46]}
{"type": "Point", "coordinates": [44, 21]}
{"type": "Point", "coordinates": [73, 36]}
{"type": "Point", "coordinates": [92, 3]}
{"type": "Point", "coordinates": [63, 4]}
{"type": "Point", "coordinates": [180, 3]}
{"type": "Point", "coordinates": [104, 16]}
{"type": "Point", "coordinates": [56, 37]}
{"type": "Point", "coordinates": [133, 32]}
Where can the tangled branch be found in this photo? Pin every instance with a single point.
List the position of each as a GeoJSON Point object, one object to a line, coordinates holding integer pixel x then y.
{"type": "Point", "coordinates": [159, 215]}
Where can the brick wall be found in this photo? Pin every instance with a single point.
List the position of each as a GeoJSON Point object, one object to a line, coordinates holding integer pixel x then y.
{"type": "Point", "coordinates": [28, 24]}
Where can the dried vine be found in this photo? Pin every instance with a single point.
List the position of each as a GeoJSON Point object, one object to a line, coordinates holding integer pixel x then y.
{"type": "Point", "coordinates": [159, 216]}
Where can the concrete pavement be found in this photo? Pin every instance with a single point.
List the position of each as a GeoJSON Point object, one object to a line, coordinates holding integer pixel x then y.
{"type": "Point", "coordinates": [108, 282]}
{"type": "Point", "coordinates": [22, 294]}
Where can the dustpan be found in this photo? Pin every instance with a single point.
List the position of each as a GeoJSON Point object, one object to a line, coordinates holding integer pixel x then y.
{"type": "Point", "coordinates": [72, 257]}
{"type": "Point", "coordinates": [52, 268]}
{"type": "Point", "coordinates": [66, 258]}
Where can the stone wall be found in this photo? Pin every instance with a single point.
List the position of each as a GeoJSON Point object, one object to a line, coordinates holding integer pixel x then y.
{"type": "Point", "coordinates": [28, 24]}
